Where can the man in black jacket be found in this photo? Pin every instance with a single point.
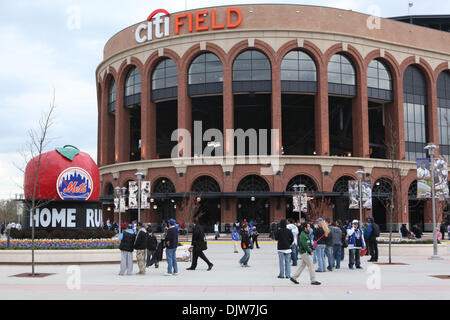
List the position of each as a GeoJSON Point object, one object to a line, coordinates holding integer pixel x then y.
{"type": "Point", "coordinates": [140, 245]}
{"type": "Point", "coordinates": [171, 248]}
{"type": "Point", "coordinates": [126, 250]}
{"type": "Point", "coordinates": [245, 245]}
{"type": "Point", "coordinates": [285, 239]}
{"type": "Point", "coordinates": [198, 246]}
{"type": "Point", "coordinates": [373, 243]}
{"type": "Point", "coordinates": [152, 244]}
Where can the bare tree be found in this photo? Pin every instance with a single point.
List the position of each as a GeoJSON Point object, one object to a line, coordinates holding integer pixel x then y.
{"type": "Point", "coordinates": [8, 211]}
{"type": "Point", "coordinates": [37, 161]}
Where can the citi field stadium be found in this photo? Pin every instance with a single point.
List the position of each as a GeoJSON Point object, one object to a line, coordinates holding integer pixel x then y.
{"type": "Point", "coordinates": [228, 110]}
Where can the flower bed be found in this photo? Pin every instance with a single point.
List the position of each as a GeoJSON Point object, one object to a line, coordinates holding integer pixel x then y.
{"type": "Point", "coordinates": [55, 244]}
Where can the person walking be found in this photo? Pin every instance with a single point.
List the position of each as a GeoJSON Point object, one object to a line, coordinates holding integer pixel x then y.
{"type": "Point", "coordinates": [273, 230]}
{"type": "Point", "coordinates": [126, 247]}
{"type": "Point", "coordinates": [152, 244]}
{"type": "Point", "coordinates": [443, 229]}
{"type": "Point", "coordinates": [373, 233]}
{"type": "Point", "coordinates": [171, 241]}
{"type": "Point", "coordinates": [245, 245]}
{"type": "Point", "coordinates": [306, 250]}
{"type": "Point", "coordinates": [216, 230]}
{"type": "Point", "coordinates": [235, 237]}
{"type": "Point", "coordinates": [337, 245]}
{"type": "Point", "coordinates": [198, 246]}
{"type": "Point", "coordinates": [320, 234]}
{"type": "Point", "coordinates": [285, 240]}
{"type": "Point", "coordinates": [140, 245]}
{"type": "Point", "coordinates": [294, 246]}
{"type": "Point", "coordinates": [448, 231]}
{"type": "Point", "coordinates": [355, 244]}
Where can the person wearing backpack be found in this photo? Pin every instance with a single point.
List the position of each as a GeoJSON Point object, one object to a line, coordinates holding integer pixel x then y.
{"type": "Point", "coordinates": [372, 238]}
{"type": "Point", "coordinates": [198, 246]}
{"type": "Point", "coordinates": [140, 245]}
{"type": "Point", "coordinates": [127, 238]}
{"type": "Point", "coordinates": [246, 246]}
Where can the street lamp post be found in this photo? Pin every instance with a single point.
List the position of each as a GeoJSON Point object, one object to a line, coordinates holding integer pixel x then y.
{"type": "Point", "coordinates": [360, 175]}
{"type": "Point", "coordinates": [121, 194]}
{"type": "Point", "coordinates": [431, 147]}
{"type": "Point", "coordinates": [139, 175]}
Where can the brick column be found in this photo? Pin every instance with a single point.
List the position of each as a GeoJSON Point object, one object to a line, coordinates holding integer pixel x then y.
{"type": "Point", "coordinates": [394, 114]}
{"type": "Point", "coordinates": [433, 125]}
{"type": "Point", "coordinates": [321, 118]}
{"type": "Point", "coordinates": [228, 110]}
{"type": "Point", "coordinates": [148, 122]}
{"type": "Point", "coordinates": [184, 111]}
{"type": "Point", "coordinates": [360, 119]}
{"type": "Point", "coordinates": [276, 120]}
{"type": "Point", "coordinates": [122, 130]}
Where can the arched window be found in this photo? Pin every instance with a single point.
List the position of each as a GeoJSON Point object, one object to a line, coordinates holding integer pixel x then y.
{"type": "Point", "coordinates": [252, 72]}
{"type": "Point", "coordinates": [133, 87]}
{"type": "Point", "coordinates": [382, 189]}
{"type": "Point", "coordinates": [163, 185]}
{"type": "Point", "coordinates": [341, 185]}
{"type": "Point", "coordinates": [165, 80]}
{"type": "Point", "coordinates": [205, 75]}
{"type": "Point", "coordinates": [112, 96]}
{"type": "Point", "coordinates": [253, 183]}
{"type": "Point", "coordinates": [443, 93]}
{"type": "Point", "coordinates": [205, 184]}
{"type": "Point", "coordinates": [379, 81]}
{"type": "Point", "coordinates": [341, 76]}
{"type": "Point", "coordinates": [298, 72]}
{"type": "Point", "coordinates": [310, 185]}
{"type": "Point", "coordinates": [415, 112]}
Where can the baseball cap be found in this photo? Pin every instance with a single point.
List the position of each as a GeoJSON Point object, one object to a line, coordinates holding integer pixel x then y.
{"type": "Point", "coordinates": [172, 221]}
{"type": "Point", "coordinates": [318, 220]}
{"type": "Point", "coordinates": [355, 221]}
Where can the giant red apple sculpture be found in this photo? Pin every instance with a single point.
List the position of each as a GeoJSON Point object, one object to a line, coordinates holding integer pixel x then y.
{"type": "Point", "coordinates": [64, 174]}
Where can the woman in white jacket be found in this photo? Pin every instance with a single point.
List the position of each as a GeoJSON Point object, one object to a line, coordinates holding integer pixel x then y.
{"type": "Point", "coordinates": [355, 244]}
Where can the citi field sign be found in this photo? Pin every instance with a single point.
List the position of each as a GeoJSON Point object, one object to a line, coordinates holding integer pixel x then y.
{"type": "Point", "coordinates": [158, 23]}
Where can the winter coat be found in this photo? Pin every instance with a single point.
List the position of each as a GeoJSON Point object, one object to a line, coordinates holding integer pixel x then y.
{"type": "Point", "coordinates": [235, 235]}
{"type": "Point", "coordinates": [141, 240]}
{"type": "Point", "coordinates": [127, 241]}
{"type": "Point", "coordinates": [305, 243]}
{"type": "Point", "coordinates": [152, 243]}
{"type": "Point", "coordinates": [198, 238]}
{"type": "Point", "coordinates": [336, 235]}
{"type": "Point", "coordinates": [284, 236]}
{"type": "Point", "coordinates": [245, 240]}
{"type": "Point", "coordinates": [353, 236]}
{"type": "Point", "coordinates": [318, 232]}
{"type": "Point", "coordinates": [171, 238]}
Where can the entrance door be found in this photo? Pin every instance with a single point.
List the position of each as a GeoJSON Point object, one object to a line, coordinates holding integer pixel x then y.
{"type": "Point", "coordinates": [257, 211]}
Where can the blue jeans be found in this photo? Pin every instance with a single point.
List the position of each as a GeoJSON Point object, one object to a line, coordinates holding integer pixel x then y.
{"type": "Point", "coordinates": [285, 264]}
{"type": "Point", "coordinates": [246, 257]}
{"type": "Point", "coordinates": [330, 257]}
{"type": "Point", "coordinates": [321, 257]}
{"type": "Point", "coordinates": [171, 260]}
{"type": "Point", "coordinates": [337, 256]}
{"type": "Point", "coordinates": [342, 253]}
{"type": "Point", "coordinates": [294, 254]}
{"type": "Point", "coordinates": [354, 258]}
{"type": "Point", "coordinates": [315, 256]}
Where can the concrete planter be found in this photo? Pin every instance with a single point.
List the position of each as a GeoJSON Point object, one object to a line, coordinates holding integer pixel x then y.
{"type": "Point", "coordinates": [69, 256]}
{"type": "Point", "coordinates": [412, 249]}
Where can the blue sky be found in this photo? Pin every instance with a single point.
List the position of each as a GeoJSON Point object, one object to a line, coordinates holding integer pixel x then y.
{"type": "Point", "coordinates": [56, 45]}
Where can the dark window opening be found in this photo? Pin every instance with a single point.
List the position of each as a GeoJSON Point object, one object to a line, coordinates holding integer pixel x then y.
{"type": "Point", "coordinates": [377, 139]}
{"type": "Point", "coordinates": [443, 93]}
{"type": "Point", "coordinates": [251, 114]}
{"type": "Point", "coordinates": [166, 124]}
{"type": "Point", "coordinates": [135, 134]}
{"type": "Point", "coordinates": [298, 124]}
{"type": "Point", "coordinates": [208, 111]}
{"type": "Point", "coordinates": [341, 128]}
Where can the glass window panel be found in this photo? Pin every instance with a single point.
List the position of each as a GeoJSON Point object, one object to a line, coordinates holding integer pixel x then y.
{"type": "Point", "coordinates": [410, 112]}
{"type": "Point", "coordinates": [171, 82]}
{"type": "Point", "coordinates": [212, 57]}
{"type": "Point", "coordinates": [289, 65]}
{"type": "Point", "coordinates": [418, 113]}
{"type": "Point", "coordinates": [293, 55]}
{"type": "Point", "coordinates": [372, 83]}
{"type": "Point", "coordinates": [242, 65]}
{"type": "Point", "coordinates": [129, 91]}
{"type": "Point", "coordinates": [171, 71]}
{"type": "Point", "coordinates": [385, 84]}
{"type": "Point", "coordinates": [213, 66]}
{"type": "Point", "coordinates": [372, 73]}
{"type": "Point", "coordinates": [373, 64]}
{"type": "Point", "coordinates": [214, 77]}
{"type": "Point", "coordinates": [260, 65]}
{"type": "Point", "coordinates": [197, 78]}
{"type": "Point", "coordinates": [334, 77]}
{"type": "Point", "coordinates": [258, 55]}
{"type": "Point", "coordinates": [419, 137]}
{"type": "Point", "coordinates": [245, 55]}
{"type": "Point", "coordinates": [200, 59]}
{"type": "Point", "coordinates": [348, 79]}
{"type": "Point", "coordinates": [334, 67]}
{"type": "Point", "coordinates": [137, 88]}
{"type": "Point", "coordinates": [307, 65]}
{"type": "Point", "coordinates": [336, 58]}
{"type": "Point", "coordinates": [197, 68]}
{"type": "Point", "coordinates": [158, 73]}
{"type": "Point", "coordinates": [241, 76]}
{"type": "Point", "coordinates": [347, 68]}
{"type": "Point", "coordinates": [308, 76]}
{"type": "Point", "coordinates": [261, 75]}
{"type": "Point", "coordinates": [383, 74]}
{"type": "Point", "coordinates": [158, 84]}
{"type": "Point", "coordinates": [303, 56]}
{"type": "Point", "coordinates": [411, 131]}
{"type": "Point", "coordinates": [289, 75]}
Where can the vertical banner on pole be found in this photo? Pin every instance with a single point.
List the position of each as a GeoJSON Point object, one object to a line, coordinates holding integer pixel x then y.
{"type": "Point", "coordinates": [304, 202]}
{"type": "Point", "coordinates": [145, 194]}
{"type": "Point", "coordinates": [122, 205]}
{"type": "Point", "coordinates": [295, 203]}
{"type": "Point", "coordinates": [133, 194]}
{"type": "Point", "coordinates": [116, 205]}
{"type": "Point", "coordinates": [423, 178]}
{"type": "Point", "coordinates": [353, 191]}
{"type": "Point", "coordinates": [441, 178]}
{"type": "Point", "coordinates": [366, 194]}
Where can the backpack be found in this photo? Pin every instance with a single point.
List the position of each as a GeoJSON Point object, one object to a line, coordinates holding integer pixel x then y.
{"type": "Point", "coordinates": [376, 230]}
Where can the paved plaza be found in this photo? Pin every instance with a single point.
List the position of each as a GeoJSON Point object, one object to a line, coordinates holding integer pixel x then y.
{"type": "Point", "coordinates": [229, 281]}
